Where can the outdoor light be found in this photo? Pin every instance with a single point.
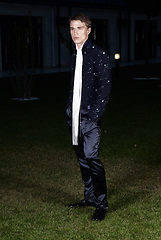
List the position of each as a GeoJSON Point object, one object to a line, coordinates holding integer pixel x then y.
{"type": "Point", "coordinates": [117, 62]}
{"type": "Point", "coordinates": [117, 55]}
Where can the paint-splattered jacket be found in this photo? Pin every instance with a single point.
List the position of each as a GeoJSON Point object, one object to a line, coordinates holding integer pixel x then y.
{"type": "Point", "coordinates": [96, 81]}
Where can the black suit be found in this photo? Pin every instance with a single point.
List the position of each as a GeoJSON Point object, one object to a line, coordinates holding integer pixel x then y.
{"type": "Point", "coordinates": [96, 87]}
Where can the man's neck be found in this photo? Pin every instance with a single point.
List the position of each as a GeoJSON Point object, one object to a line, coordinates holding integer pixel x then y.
{"type": "Point", "coordinates": [80, 46]}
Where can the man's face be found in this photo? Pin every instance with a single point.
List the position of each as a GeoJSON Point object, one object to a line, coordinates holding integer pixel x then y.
{"type": "Point", "coordinates": [79, 32]}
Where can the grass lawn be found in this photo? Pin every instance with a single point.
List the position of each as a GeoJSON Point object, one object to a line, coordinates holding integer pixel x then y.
{"type": "Point", "coordinates": [40, 175]}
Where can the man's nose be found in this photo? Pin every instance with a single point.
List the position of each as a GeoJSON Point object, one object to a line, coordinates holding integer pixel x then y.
{"type": "Point", "coordinates": [75, 31]}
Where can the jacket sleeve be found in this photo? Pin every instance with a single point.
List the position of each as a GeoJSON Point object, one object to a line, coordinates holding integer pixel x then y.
{"type": "Point", "coordinates": [68, 109]}
{"type": "Point", "coordinates": [103, 71]}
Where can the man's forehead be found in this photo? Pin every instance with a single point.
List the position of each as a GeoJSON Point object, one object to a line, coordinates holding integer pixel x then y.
{"type": "Point", "coordinates": [77, 23]}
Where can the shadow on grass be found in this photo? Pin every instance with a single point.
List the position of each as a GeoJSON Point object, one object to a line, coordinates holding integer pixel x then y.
{"type": "Point", "coordinates": [131, 183]}
{"type": "Point", "coordinates": [54, 178]}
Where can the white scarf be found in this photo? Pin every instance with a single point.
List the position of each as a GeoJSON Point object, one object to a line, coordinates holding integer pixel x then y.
{"type": "Point", "coordinates": [77, 92]}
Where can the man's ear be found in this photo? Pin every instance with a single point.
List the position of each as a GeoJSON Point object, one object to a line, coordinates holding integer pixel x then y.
{"type": "Point", "coordinates": [89, 30]}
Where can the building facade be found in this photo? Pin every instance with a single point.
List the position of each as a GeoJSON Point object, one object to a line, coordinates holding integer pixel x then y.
{"type": "Point", "coordinates": [115, 28]}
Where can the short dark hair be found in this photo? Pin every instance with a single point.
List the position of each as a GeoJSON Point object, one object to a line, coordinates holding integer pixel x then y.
{"type": "Point", "coordinates": [83, 18]}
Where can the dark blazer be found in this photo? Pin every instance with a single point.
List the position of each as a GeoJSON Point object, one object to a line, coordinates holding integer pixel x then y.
{"type": "Point", "coordinates": [96, 81]}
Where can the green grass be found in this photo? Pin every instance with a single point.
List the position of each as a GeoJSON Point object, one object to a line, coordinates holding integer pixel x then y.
{"type": "Point", "coordinates": [40, 175]}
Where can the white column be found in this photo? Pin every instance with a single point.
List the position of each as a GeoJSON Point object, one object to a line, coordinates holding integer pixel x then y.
{"type": "Point", "coordinates": [52, 37]}
{"type": "Point", "coordinates": [113, 37]}
{"type": "Point", "coordinates": [132, 37]}
{"type": "Point", "coordinates": [0, 50]}
{"type": "Point", "coordinates": [158, 48]}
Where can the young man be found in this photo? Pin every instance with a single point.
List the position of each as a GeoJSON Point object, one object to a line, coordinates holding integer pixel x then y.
{"type": "Point", "coordinates": [90, 91]}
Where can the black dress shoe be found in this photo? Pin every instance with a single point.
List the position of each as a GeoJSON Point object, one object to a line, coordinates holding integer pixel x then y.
{"type": "Point", "coordinates": [99, 214]}
{"type": "Point", "coordinates": [82, 203]}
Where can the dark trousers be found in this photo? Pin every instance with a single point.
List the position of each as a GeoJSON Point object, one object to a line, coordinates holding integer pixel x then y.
{"type": "Point", "coordinates": [92, 169]}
